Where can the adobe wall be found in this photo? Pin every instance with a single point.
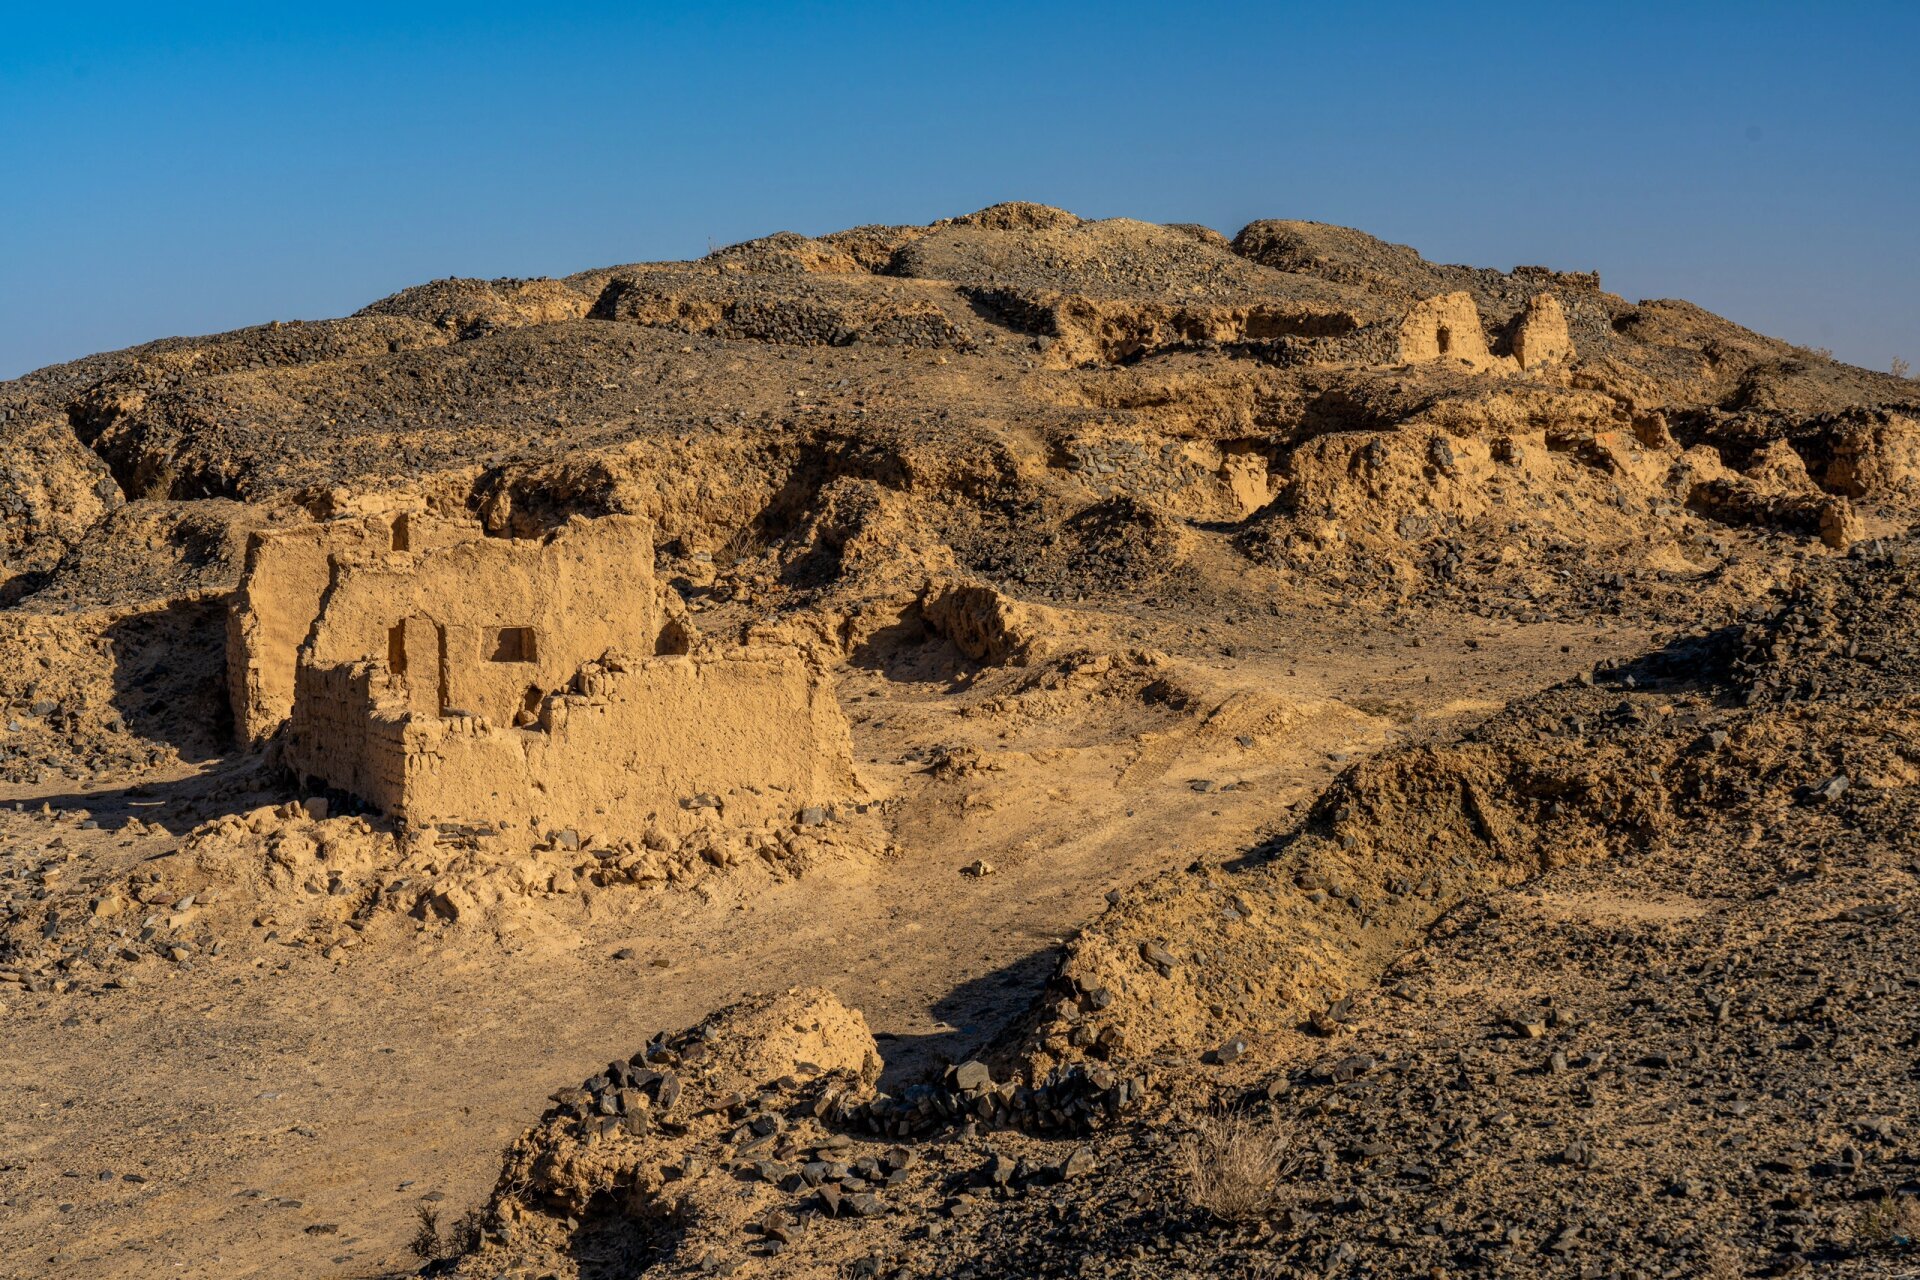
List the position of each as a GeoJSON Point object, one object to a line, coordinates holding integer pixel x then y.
{"type": "Point", "coordinates": [485, 680]}
{"type": "Point", "coordinates": [1445, 327]}
{"type": "Point", "coordinates": [355, 733]}
{"type": "Point", "coordinates": [757, 728]}
{"type": "Point", "coordinates": [583, 590]}
{"type": "Point", "coordinates": [1541, 337]}
{"type": "Point", "coordinates": [286, 575]}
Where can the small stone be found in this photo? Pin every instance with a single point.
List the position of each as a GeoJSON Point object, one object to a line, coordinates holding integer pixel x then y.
{"type": "Point", "coordinates": [978, 868]}
{"type": "Point", "coordinates": [1833, 788]}
{"type": "Point", "coordinates": [1226, 1054]}
{"type": "Point", "coordinates": [812, 816]}
{"type": "Point", "coordinates": [1159, 957]}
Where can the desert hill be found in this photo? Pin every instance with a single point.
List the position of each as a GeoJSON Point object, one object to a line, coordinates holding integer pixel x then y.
{"type": "Point", "coordinates": [918, 723]}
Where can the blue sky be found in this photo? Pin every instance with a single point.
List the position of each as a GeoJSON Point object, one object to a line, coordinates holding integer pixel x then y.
{"type": "Point", "coordinates": [185, 169]}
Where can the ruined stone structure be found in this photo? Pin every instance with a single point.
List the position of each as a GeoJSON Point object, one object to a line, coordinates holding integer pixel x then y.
{"type": "Point", "coordinates": [438, 674]}
{"type": "Point", "coordinates": [1448, 327]}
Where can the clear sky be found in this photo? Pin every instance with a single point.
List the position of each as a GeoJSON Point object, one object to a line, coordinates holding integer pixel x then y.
{"type": "Point", "coordinates": [169, 169]}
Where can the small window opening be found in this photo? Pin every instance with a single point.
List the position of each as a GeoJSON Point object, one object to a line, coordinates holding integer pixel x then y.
{"type": "Point", "coordinates": [1443, 338]}
{"type": "Point", "coordinates": [397, 649]}
{"type": "Point", "coordinates": [513, 644]}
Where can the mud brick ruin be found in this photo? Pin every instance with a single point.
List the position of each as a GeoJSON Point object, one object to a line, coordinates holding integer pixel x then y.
{"type": "Point", "coordinates": [437, 674]}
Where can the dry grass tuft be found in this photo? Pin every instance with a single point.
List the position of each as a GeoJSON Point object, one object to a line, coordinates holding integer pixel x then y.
{"type": "Point", "coordinates": [1889, 1223]}
{"type": "Point", "coordinates": [1234, 1165]}
{"type": "Point", "coordinates": [430, 1245]}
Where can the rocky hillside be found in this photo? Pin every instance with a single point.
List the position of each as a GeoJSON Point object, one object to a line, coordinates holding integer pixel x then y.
{"type": "Point", "coordinates": [1358, 765]}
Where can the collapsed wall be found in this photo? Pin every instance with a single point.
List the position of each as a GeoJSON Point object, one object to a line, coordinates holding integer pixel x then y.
{"type": "Point", "coordinates": [438, 675]}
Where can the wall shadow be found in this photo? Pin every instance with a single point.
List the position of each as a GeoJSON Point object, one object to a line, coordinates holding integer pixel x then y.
{"type": "Point", "coordinates": [980, 1010]}
{"type": "Point", "coordinates": [180, 804]}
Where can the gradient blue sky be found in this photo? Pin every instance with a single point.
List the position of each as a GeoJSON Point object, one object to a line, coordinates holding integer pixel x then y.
{"type": "Point", "coordinates": [170, 169]}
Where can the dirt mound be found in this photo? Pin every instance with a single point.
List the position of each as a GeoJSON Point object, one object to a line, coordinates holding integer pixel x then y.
{"type": "Point", "coordinates": [629, 1169]}
{"type": "Point", "coordinates": [925, 348]}
{"type": "Point", "coordinates": [814, 311]}
{"type": "Point", "coordinates": [289, 876]}
{"type": "Point", "coordinates": [1704, 933]}
{"type": "Point", "coordinates": [472, 308]}
{"type": "Point", "coordinates": [108, 692]}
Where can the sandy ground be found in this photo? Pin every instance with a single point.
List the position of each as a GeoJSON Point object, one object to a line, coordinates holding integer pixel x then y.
{"type": "Point", "coordinates": [271, 1112]}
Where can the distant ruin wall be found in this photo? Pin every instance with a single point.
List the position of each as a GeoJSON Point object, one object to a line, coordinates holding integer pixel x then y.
{"type": "Point", "coordinates": [1448, 327]}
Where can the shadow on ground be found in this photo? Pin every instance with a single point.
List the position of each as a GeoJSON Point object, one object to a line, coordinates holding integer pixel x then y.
{"type": "Point", "coordinates": [231, 785]}
{"type": "Point", "coordinates": [978, 1010]}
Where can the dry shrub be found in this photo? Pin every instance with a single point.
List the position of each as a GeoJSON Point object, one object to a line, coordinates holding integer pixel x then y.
{"type": "Point", "coordinates": [429, 1244]}
{"type": "Point", "coordinates": [1892, 1222]}
{"type": "Point", "coordinates": [742, 544]}
{"type": "Point", "coordinates": [1234, 1165]}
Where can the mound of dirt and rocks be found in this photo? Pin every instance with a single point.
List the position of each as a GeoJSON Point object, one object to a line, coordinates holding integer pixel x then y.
{"type": "Point", "coordinates": [1253, 754]}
